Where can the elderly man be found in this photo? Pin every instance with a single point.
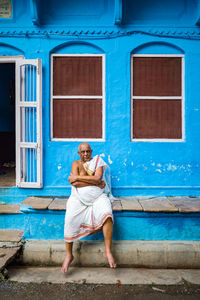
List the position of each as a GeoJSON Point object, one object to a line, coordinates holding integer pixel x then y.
{"type": "Point", "coordinates": [88, 208]}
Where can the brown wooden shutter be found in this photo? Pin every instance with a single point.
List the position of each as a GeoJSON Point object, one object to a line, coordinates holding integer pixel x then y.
{"type": "Point", "coordinates": [157, 77]}
{"type": "Point", "coordinates": [157, 119]}
{"type": "Point", "coordinates": [77, 118]}
{"type": "Point", "coordinates": [77, 76]}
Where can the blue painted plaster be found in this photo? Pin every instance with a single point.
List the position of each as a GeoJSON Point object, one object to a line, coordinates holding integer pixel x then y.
{"type": "Point", "coordinates": [158, 12]}
{"type": "Point", "coordinates": [142, 168]}
{"type": "Point", "coordinates": [47, 225]}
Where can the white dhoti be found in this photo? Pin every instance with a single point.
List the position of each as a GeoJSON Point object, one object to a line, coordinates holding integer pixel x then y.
{"type": "Point", "coordinates": [87, 208]}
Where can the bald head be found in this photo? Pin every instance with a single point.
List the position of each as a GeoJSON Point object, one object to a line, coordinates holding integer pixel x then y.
{"type": "Point", "coordinates": [83, 145]}
{"type": "Point", "coordinates": [85, 152]}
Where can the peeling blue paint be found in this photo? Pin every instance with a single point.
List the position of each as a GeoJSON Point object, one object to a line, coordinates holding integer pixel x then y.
{"type": "Point", "coordinates": [109, 160]}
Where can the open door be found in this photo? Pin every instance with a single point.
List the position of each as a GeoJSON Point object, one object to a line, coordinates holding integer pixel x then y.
{"type": "Point", "coordinates": [29, 123]}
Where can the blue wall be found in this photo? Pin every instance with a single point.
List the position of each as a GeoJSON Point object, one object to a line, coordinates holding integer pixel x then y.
{"type": "Point", "coordinates": [48, 225]}
{"type": "Point", "coordinates": [162, 27]}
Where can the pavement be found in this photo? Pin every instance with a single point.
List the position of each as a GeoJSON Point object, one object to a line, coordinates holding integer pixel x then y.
{"type": "Point", "coordinates": [122, 276]}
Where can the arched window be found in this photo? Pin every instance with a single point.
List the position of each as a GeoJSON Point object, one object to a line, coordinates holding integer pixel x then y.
{"type": "Point", "coordinates": [78, 96]}
{"type": "Point", "coordinates": [157, 95]}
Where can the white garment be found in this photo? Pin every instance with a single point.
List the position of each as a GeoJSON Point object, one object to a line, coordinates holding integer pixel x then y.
{"type": "Point", "coordinates": [88, 207]}
{"type": "Point", "coordinates": [92, 165]}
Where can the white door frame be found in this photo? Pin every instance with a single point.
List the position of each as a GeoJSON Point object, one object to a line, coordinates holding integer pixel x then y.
{"type": "Point", "coordinates": [29, 129]}
{"type": "Point", "coordinates": [12, 59]}
{"type": "Point", "coordinates": [17, 60]}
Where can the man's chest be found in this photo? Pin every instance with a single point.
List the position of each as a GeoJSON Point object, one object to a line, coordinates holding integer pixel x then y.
{"type": "Point", "coordinates": [81, 170]}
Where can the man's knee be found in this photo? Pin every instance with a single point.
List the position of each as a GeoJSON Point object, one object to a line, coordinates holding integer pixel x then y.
{"type": "Point", "coordinates": [108, 221]}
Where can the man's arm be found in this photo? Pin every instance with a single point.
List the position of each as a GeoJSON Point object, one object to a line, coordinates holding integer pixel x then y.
{"type": "Point", "coordinates": [74, 169]}
{"type": "Point", "coordinates": [80, 181]}
{"type": "Point", "coordinates": [93, 179]}
{"type": "Point", "coordinates": [79, 184]}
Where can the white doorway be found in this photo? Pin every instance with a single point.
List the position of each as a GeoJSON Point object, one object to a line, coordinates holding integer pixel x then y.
{"type": "Point", "coordinates": [7, 124]}
{"type": "Point", "coordinates": [20, 122]}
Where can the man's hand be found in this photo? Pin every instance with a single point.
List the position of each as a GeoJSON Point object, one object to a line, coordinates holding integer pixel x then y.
{"type": "Point", "coordinates": [77, 184]}
{"type": "Point", "coordinates": [72, 178]}
{"type": "Point", "coordinates": [102, 184]}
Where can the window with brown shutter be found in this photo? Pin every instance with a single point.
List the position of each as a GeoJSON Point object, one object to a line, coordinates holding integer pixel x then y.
{"type": "Point", "coordinates": [77, 96]}
{"type": "Point", "coordinates": [157, 97]}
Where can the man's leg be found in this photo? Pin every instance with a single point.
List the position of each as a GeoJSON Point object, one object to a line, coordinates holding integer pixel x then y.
{"type": "Point", "coordinates": [69, 257]}
{"type": "Point", "coordinates": [107, 232]}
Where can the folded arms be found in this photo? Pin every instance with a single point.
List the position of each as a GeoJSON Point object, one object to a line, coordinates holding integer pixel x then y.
{"type": "Point", "coordinates": [85, 180]}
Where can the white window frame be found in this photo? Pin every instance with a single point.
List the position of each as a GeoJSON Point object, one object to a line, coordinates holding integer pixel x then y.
{"type": "Point", "coordinates": [80, 97]}
{"type": "Point", "coordinates": [182, 98]}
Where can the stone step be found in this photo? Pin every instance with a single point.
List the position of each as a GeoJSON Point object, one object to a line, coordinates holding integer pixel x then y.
{"type": "Point", "coordinates": [58, 204]}
{"type": "Point", "coordinates": [7, 255]}
{"type": "Point", "coordinates": [145, 254]}
{"type": "Point", "coordinates": [158, 205]}
{"type": "Point", "coordinates": [10, 238]}
{"type": "Point", "coordinates": [37, 202]}
{"type": "Point", "coordinates": [187, 204]}
{"type": "Point", "coordinates": [141, 204]}
{"type": "Point", "coordinates": [9, 209]}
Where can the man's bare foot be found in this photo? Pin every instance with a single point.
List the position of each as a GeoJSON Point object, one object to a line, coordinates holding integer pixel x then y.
{"type": "Point", "coordinates": [66, 263]}
{"type": "Point", "coordinates": [110, 259]}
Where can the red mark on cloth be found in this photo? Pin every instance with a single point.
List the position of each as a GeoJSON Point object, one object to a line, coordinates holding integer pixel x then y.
{"type": "Point", "coordinates": [118, 283]}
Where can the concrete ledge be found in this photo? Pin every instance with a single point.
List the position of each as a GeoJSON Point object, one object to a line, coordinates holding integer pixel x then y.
{"type": "Point", "coordinates": [7, 255]}
{"type": "Point", "coordinates": [99, 276]}
{"type": "Point", "coordinates": [9, 209]}
{"type": "Point", "coordinates": [149, 254]}
{"type": "Point", "coordinates": [38, 202]}
{"type": "Point", "coordinates": [10, 238]}
{"type": "Point", "coordinates": [11, 235]}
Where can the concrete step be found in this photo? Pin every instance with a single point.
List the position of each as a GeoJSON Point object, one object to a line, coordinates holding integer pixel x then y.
{"type": "Point", "coordinates": [10, 244]}
{"type": "Point", "coordinates": [37, 202]}
{"type": "Point", "coordinates": [10, 237]}
{"type": "Point", "coordinates": [146, 254]}
{"type": "Point", "coordinates": [7, 255]}
{"type": "Point", "coordinates": [116, 276]}
{"type": "Point", "coordinates": [182, 204]}
{"type": "Point", "coordinates": [9, 209]}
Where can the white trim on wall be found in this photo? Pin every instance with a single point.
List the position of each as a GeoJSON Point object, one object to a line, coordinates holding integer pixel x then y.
{"type": "Point", "coordinates": [182, 97]}
{"type": "Point", "coordinates": [131, 96]}
{"type": "Point", "coordinates": [10, 59]}
{"type": "Point", "coordinates": [79, 97]}
{"type": "Point", "coordinates": [158, 97]}
{"type": "Point", "coordinates": [158, 55]}
{"type": "Point", "coordinates": [51, 99]}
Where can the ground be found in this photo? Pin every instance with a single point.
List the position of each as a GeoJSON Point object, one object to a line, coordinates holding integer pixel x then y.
{"type": "Point", "coordinates": [36, 291]}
